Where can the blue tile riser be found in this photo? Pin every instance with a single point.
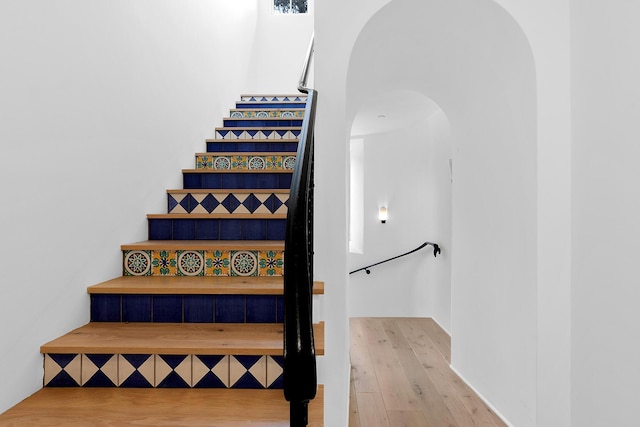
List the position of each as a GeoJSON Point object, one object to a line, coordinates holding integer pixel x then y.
{"type": "Point", "coordinates": [231, 146]}
{"type": "Point", "coordinates": [271, 104]}
{"type": "Point", "coordinates": [187, 308]}
{"type": "Point", "coordinates": [262, 123]}
{"type": "Point", "coordinates": [232, 181]}
{"type": "Point", "coordinates": [216, 229]}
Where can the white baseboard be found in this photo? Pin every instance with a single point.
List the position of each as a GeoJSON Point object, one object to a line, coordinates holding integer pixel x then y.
{"type": "Point", "coordinates": [495, 411]}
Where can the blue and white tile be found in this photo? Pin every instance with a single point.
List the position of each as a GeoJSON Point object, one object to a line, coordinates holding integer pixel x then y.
{"type": "Point", "coordinates": [136, 370]}
{"type": "Point", "coordinates": [99, 370]}
{"type": "Point", "coordinates": [173, 371]}
{"type": "Point", "coordinates": [62, 370]}
{"type": "Point", "coordinates": [210, 371]}
{"type": "Point", "coordinates": [248, 372]}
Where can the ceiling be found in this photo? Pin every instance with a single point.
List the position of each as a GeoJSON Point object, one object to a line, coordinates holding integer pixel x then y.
{"type": "Point", "coordinates": [390, 111]}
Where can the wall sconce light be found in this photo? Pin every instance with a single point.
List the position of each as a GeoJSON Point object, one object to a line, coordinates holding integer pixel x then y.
{"type": "Point", "coordinates": [382, 214]}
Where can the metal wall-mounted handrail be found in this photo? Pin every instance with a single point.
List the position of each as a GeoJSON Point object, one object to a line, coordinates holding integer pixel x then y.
{"type": "Point", "coordinates": [436, 251]}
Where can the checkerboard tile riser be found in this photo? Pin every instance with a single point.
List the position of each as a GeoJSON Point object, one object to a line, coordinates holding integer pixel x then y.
{"type": "Point", "coordinates": [163, 371]}
{"type": "Point", "coordinates": [273, 98]}
{"type": "Point", "coordinates": [257, 133]}
{"type": "Point", "coordinates": [266, 113]}
{"type": "Point", "coordinates": [179, 202]}
{"type": "Point", "coordinates": [187, 308]}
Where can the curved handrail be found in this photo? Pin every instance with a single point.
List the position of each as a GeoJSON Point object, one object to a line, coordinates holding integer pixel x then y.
{"type": "Point", "coordinates": [302, 83]}
{"type": "Point", "coordinates": [436, 251]}
{"type": "Point", "coordinates": [299, 368]}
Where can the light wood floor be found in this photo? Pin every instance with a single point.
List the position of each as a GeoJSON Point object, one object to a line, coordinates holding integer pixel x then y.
{"type": "Point", "coordinates": [400, 377]}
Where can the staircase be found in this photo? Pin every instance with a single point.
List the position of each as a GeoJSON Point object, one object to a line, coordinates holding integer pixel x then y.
{"type": "Point", "coordinates": [196, 319]}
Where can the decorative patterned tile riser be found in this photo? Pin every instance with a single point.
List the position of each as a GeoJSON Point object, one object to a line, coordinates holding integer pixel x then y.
{"type": "Point", "coordinates": [227, 203]}
{"type": "Point", "coordinates": [232, 181]}
{"type": "Point", "coordinates": [243, 133]}
{"type": "Point", "coordinates": [266, 113]}
{"type": "Point", "coordinates": [249, 162]}
{"type": "Point", "coordinates": [217, 229]}
{"type": "Point", "coordinates": [187, 308]}
{"type": "Point", "coordinates": [243, 263]}
{"type": "Point", "coordinates": [227, 145]}
{"type": "Point", "coordinates": [273, 98]}
{"type": "Point", "coordinates": [162, 371]}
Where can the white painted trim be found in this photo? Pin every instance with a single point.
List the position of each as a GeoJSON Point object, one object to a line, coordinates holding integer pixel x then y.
{"type": "Point", "coordinates": [495, 411]}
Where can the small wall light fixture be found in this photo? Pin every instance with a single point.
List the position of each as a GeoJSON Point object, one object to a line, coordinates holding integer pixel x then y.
{"type": "Point", "coordinates": [382, 214]}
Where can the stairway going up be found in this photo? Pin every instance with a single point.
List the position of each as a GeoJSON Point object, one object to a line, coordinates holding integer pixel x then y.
{"type": "Point", "coordinates": [199, 305]}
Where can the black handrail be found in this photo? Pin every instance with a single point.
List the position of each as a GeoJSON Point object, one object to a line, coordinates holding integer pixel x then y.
{"type": "Point", "coordinates": [299, 369]}
{"type": "Point", "coordinates": [436, 251]}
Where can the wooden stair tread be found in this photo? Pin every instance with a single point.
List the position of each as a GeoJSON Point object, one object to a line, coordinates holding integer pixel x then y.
{"type": "Point", "coordinates": [230, 128]}
{"type": "Point", "coordinates": [112, 407]}
{"type": "Point", "coordinates": [245, 153]}
{"type": "Point", "coordinates": [277, 245]}
{"type": "Point", "coordinates": [261, 140]}
{"type": "Point", "coordinates": [218, 216]}
{"type": "Point", "coordinates": [176, 338]}
{"type": "Point", "coordinates": [228, 191]}
{"type": "Point", "coordinates": [237, 171]}
{"type": "Point", "coordinates": [201, 285]}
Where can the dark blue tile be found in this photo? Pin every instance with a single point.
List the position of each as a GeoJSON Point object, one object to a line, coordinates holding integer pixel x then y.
{"type": "Point", "coordinates": [171, 203]}
{"type": "Point", "coordinates": [263, 146]}
{"type": "Point", "coordinates": [136, 308]}
{"type": "Point", "coordinates": [279, 309]}
{"type": "Point", "coordinates": [105, 308]}
{"type": "Point", "coordinates": [159, 229]}
{"type": "Point", "coordinates": [209, 203]}
{"type": "Point", "coordinates": [254, 229]}
{"type": "Point", "coordinates": [231, 180]}
{"type": "Point", "coordinates": [213, 147]}
{"type": "Point", "coordinates": [246, 147]}
{"type": "Point", "coordinates": [284, 181]}
{"type": "Point", "coordinates": [230, 146]}
{"type": "Point", "coordinates": [207, 229]}
{"type": "Point", "coordinates": [191, 180]}
{"type": "Point", "coordinates": [261, 308]}
{"type": "Point", "coordinates": [231, 229]}
{"type": "Point", "coordinates": [198, 308]}
{"type": "Point", "coordinates": [250, 180]}
{"type": "Point", "coordinates": [268, 180]}
{"type": "Point", "coordinates": [252, 202]}
{"type": "Point", "coordinates": [276, 229]}
{"type": "Point", "coordinates": [231, 203]}
{"type": "Point", "coordinates": [167, 308]}
{"type": "Point", "coordinates": [211, 180]}
{"type": "Point", "coordinates": [230, 309]}
{"type": "Point", "coordinates": [184, 229]}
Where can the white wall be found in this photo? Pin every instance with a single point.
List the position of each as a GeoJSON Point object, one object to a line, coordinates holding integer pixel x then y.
{"type": "Point", "coordinates": [406, 170]}
{"type": "Point", "coordinates": [103, 103]}
{"type": "Point", "coordinates": [606, 206]}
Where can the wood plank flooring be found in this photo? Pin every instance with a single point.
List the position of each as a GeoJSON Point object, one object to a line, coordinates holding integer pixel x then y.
{"type": "Point", "coordinates": [400, 377]}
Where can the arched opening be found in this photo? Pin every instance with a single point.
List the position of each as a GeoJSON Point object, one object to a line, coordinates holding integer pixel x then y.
{"type": "Point", "coordinates": [400, 159]}
{"type": "Point", "coordinates": [473, 60]}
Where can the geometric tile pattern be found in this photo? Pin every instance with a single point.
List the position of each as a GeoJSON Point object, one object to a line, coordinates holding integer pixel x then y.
{"type": "Point", "coordinates": [176, 308]}
{"type": "Point", "coordinates": [245, 162]}
{"type": "Point", "coordinates": [272, 98]}
{"type": "Point", "coordinates": [163, 371]}
{"type": "Point", "coordinates": [257, 133]}
{"type": "Point", "coordinates": [209, 263]}
{"type": "Point", "coordinates": [227, 203]}
{"type": "Point", "coordinates": [266, 113]}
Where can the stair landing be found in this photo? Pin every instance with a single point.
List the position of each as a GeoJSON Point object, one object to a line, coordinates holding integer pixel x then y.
{"type": "Point", "coordinates": [157, 407]}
